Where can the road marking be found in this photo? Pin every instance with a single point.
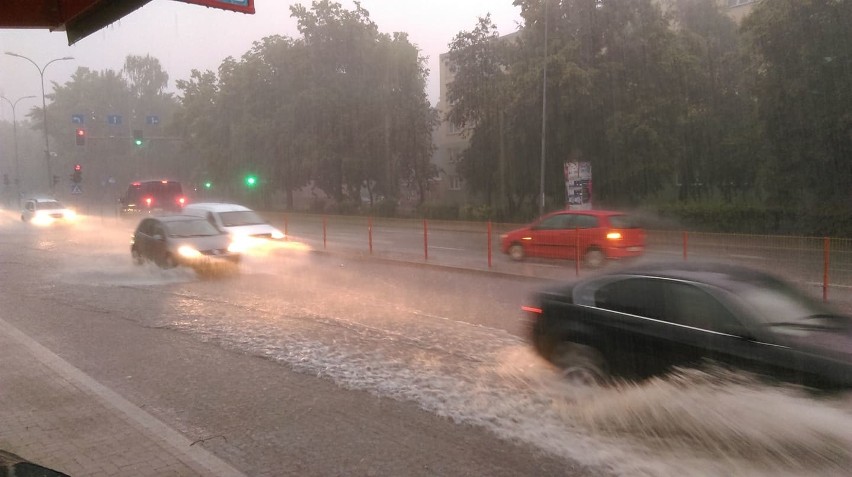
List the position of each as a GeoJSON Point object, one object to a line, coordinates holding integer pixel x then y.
{"type": "Point", "coordinates": [446, 248]}
{"type": "Point", "coordinates": [153, 427]}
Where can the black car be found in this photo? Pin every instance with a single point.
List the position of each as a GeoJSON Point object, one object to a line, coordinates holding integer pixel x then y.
{"type": "Point", "coordinates": [175, 240]}
{"type": "Point", "coordinates": [642, 321]}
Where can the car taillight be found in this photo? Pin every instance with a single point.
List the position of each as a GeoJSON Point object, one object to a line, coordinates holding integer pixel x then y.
{"type": "Point", "coordinates": [531, 309]}
{"type": "Point", "coordinates": [148, 201]}
{"type": "Point", "coordinates": [181, 200]}
{"type": "Point", "coordinates": [614, 236]}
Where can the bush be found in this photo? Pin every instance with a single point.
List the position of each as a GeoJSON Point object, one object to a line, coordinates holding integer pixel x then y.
{"type": "Point", "coordinates": [749, 219]}
{"type": "Point", "coordinates": [475, 212]}
{"type": "Point", "coordinates": [439, 211]}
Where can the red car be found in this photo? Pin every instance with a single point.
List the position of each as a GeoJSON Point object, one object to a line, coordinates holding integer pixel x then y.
{"type": "Point", "coordinates": [599, 235]}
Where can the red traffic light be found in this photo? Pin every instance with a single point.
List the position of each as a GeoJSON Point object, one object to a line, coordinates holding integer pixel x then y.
{"type": "Point", "coordinates": [81, 136]}
{"type": "Point", "coordinates": [81, 132]}
{"type": "Point", "coordinates": [78, 167]}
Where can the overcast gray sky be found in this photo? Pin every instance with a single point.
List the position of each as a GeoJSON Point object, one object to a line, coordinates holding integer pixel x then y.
{"type": "Point", "coordinates": [184, 36]}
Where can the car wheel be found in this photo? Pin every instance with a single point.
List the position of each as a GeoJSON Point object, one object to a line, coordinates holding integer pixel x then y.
{"type": "Point", "coordinates": [516, 252]}
{"type": "Point", "coordinates": [594, 258]}
{"type": "Point", "coordinates": [581, 365]}
{"type": "Point", "coordinates": [138, 259]}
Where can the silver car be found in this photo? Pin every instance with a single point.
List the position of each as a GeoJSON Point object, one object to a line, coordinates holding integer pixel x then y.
{"type": "Point", "coordinates": [175, 240]}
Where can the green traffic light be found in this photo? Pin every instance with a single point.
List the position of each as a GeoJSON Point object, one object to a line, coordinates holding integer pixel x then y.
{"type": "Point", "coordinates": [138, 142]}
{"type": "Point", "coordinates": [251, 181]}
{"type": "Point", "coordinates": [208, 185]}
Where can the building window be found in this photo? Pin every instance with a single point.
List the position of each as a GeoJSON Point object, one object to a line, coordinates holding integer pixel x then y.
{"type": "Point", "coordinates": [455, 156]}
{"type": "Point", "coordinates": [455, 183]}
{"type": "Point", "coordinates": [452, 128]}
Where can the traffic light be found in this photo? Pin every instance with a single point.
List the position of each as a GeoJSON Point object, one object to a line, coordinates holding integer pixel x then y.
{"type": "Point", "coordinates": [77, 176]}
{"type": "Point", "coordinates": [208, 185]}
{"type": "Point", "coordinates": [81, 136]}
{"type": "Point", "coordinates": [55, 180]}
{"type": "Point", "coordinates": [138, 138]}
{"type": "Point", "coordinates": [251, 180]}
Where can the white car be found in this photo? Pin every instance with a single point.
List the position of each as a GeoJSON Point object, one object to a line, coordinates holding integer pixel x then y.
{"type": "Point", "coordinates": [244, 224]}
{"type": "Point", "coordinates": [46, 212]}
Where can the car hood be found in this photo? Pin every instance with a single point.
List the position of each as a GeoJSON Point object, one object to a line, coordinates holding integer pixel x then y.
{"type": "Point", "coordinates": [519, 232]}
{"type": "Point", "coordinates": [52, 211]}
{"type": "Point", "coordinates": [249, 230]}
{"type": "Point", "coordinates": [834, 344]}
{"type": "Point", "coordinates": [201, 243]}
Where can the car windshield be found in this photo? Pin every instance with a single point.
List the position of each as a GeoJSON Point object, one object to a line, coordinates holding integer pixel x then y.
{"type": "Point", "coordinates": [48, 205]}
{"type": "Point", "coordinates": [240, 217]}
{"type": "Point", "coordinates": [191, 228]}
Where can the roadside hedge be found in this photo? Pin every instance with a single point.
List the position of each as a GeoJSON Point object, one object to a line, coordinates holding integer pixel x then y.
{"type": "Point", "coordinates": [732, 218]}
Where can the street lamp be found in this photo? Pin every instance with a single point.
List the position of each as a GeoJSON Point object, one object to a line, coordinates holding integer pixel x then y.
{"type": "Point", "coordinates": [44, 110]}
{"type": "Point", "coordinates": [15, 138]}
{"type": "Point", "coordinates": [543, 111]}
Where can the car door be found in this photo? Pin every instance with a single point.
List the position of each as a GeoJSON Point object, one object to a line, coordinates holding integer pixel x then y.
{"type": "Point", "coordinates": [634, 325]}
{"type": "Point", "coordinates": [142, 238]}
{"type": "Point", "coordinates": [158, 247]}
{"type": "Point", "coordinates": [711, 332]}
{"type": "Point", "coordinates": [585, 233]}
{"type": "Point", "coordinates": [552, 237]}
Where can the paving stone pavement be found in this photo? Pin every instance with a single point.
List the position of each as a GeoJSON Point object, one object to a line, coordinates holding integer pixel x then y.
{"type": "Point", "coordinates": [54, 415]}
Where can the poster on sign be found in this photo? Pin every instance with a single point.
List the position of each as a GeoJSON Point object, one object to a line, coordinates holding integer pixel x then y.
{"type": "Point", "coordinates": [578, 185]}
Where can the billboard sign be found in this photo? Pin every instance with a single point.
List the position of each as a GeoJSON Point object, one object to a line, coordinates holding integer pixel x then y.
{"type": "Point", "coordinates": [578, 185]}
{"type": "Point", "coordinates": [244, 6]}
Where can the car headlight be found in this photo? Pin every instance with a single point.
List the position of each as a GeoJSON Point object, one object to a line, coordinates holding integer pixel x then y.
{"type": "Point", "coordinates": [40, 218]}
{"type": "Point", "coordinates": [237, 246]}
{"type": "Point", "coordinates": [70, 215]}
{"type": "Point", "coordinates": [277, 235]}
{"type": "Point", "coordinates": [188, 252]}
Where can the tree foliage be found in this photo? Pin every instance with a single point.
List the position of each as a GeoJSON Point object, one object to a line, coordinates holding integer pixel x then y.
{"type": "Point", "coordinates": [342, 107]}
{"type": "Point", "coordinates": [666, 99]}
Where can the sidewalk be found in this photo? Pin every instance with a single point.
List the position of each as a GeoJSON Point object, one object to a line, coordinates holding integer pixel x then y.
{"type": "Point", "coordinates": [54, 415]}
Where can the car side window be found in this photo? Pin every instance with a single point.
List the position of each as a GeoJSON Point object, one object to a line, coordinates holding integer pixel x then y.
{"type": "Point", "coordinates": [585, 222]}
{"type": "Point", "coordinates": [145, 227]}
{"type": "Point", "coordinates": [554, 222]}
{"type": "Point", "coordinates": [689, 305]}
{"type": "Point", "coordinates": [157, 229]}
{"type": "Point", "coordinates": [636, 296]}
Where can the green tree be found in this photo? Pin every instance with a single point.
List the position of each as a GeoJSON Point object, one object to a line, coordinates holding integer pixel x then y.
{"type": "Point", "coordinates": [802, 52]}
{"type": "Point", "coordinates": [479, 97]}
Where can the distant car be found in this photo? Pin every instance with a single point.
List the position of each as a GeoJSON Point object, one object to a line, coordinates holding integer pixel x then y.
{"type": "Point", "coordinates": [46, 212]}
{"type": "Point", "coordinates": [242, 223]}
{"type": "Point", "coordinates": [175, 240]}
{"type": "Point", "coordinates": [644, 320]}
{"type": "Point", "coordinates": [600, 235]}
{"type": "Point", "coordinates": [165, 196]}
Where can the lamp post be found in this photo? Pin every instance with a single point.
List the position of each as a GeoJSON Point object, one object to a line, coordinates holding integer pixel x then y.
{"type": "Point", "coordinates": [543, 111]}
{"type": "Point", "coordinates": [44, 110]}
{"type": "Point", "coordinates": [15, 139]}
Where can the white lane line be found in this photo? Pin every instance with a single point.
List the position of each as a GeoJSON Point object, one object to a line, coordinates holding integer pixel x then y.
{"type": "Point", "coordinates": [446, 248]}
{"type": "Point", "coordinates": [183, 448]}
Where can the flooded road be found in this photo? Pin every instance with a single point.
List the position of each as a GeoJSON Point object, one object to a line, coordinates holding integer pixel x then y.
{"type": "Point", "coordinates": [453, 344]}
